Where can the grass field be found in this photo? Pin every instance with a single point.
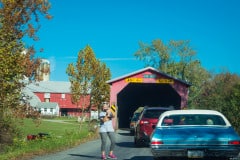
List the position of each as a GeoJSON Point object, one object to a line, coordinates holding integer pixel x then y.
{"type": "Point", "coordinates": [62, 134]}
{"type": "Point", "coordinates": [55, 127]}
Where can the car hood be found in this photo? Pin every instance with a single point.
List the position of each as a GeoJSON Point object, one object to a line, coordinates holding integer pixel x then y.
{"type": "Point", "coordinates": [195, 135]}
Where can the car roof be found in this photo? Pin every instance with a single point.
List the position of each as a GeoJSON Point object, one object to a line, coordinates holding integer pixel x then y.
{"type": "Point", "coordinates": [157, 108]}
{"type": "Point", "coordinates": [194, 111]}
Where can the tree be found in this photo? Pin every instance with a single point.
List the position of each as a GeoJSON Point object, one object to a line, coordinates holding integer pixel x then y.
{"type": "Point", "coordinates": [232, 110]}
{"type": "Point", "coordinates": [17, 60]}
{"type": "Point", "coordinates": [178, 59]}
{"type": "Point", "coordinates": [100, 90]}
{"type": "Point", "coordinates": [222, 93]}
{"type": "Point", "coordinates": [87, 77]}
{"type": "Point", "coordinates": [155, 55]}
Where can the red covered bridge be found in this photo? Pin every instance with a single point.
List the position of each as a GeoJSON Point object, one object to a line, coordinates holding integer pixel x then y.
{"type": "Point", "coordinates": [146, 87]}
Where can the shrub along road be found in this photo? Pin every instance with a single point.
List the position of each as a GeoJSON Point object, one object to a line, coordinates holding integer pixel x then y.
{"type": "Point", "coordinates": [125, 150]}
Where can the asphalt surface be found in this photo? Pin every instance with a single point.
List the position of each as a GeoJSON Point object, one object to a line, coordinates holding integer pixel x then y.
{"type": "Point", "coordinates": [124, 150]}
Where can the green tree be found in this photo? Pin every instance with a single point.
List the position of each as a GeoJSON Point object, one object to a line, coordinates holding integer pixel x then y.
{"type": "Point", "coordinates": [155, 55]}
{"type": "Point", "coordinates": [87, 77]}
{"type": "Point", "coordinates": [232, 110]}
{"type": "Point", "coordinates": [17, 60]}
{"type": "Point", "coordinates": [178, 59]}
{"type": "Point", "coordinates": [222, 93]}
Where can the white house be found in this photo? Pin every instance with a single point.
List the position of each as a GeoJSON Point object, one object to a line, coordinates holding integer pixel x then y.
{"type": "Point", "coordinates": [48, 108]}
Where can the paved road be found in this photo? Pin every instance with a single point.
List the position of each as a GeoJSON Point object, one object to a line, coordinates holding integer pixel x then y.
{"type": "Point", "coordinates": [125, 150]}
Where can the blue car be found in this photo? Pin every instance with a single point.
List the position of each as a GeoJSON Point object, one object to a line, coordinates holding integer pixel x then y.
{"type": "Point", "coordinates": [194, 134]}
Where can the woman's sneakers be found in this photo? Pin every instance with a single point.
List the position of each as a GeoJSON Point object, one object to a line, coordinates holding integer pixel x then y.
{"type": "Point", "coordinates": [112, 156]}
{"type": "Point", "coordinates": [104, 157]}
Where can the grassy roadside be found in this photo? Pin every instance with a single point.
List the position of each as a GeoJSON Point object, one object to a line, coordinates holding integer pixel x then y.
{"type": "Point", "coordinates": [62, 134]}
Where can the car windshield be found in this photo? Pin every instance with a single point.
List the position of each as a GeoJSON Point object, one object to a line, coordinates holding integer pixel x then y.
{"type": "Point", "coordinates": [152, 113]}
{"type": "Point", "coordinates": [193, 119]}
{"type": "Point", "coordinates": [135, 117]}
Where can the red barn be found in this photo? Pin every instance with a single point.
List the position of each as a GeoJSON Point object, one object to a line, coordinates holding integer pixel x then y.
{"type": "Point", "coordinates": [59, 92]}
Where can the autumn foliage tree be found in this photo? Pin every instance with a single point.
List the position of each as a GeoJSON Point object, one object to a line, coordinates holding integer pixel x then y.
{"type": "Point", "coordinates": [100, 90]}
{"type": "Point", "coordinates": [17, 20]}
{"type": "Point", "coordinates": [88, 76]}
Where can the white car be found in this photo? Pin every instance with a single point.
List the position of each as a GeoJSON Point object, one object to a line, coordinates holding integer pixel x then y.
{"type": "Point", "coordinates": [196, 134]}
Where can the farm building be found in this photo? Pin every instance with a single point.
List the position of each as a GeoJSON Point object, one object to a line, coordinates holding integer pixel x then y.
{"type": "Point", "coordinates": [47, 93]}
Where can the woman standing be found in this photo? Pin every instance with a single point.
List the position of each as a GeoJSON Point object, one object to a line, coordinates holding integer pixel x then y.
{"type": "Point", "coordinates": [107, 130]}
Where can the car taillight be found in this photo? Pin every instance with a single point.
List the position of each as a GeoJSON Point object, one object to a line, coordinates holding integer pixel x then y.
{"type": "Point", "coordinates": [156, 142]}
{"type": "Point", "coordinates": [144, 122]}
{"type": "Point", "coordinates": [234, 142]}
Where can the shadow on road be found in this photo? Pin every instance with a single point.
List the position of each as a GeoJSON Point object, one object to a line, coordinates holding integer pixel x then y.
{"type": "Point", "coordinates": [88, 156]}
{"type": "Point", "coordinates": [140, 158]}
{"type": "Point", "coordinates": [130, 145]}
{"type": "Point", "coordinates": [126, 144]}
{"type": "Point", "coordinates": [98, 157]}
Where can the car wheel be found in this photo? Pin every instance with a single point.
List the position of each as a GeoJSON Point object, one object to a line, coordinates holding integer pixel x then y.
{"type": "Point", "coordinates": [132, 132]}
{"type": "Point", "coordinates": [136, 142]}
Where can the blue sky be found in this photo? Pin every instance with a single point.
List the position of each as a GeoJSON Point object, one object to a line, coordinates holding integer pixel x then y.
{"type": "Point", "coordinates": [114, 28]}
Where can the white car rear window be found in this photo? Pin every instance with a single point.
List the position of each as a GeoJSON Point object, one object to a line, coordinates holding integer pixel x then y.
{"type": "Point", "coordinates": [193, 119]}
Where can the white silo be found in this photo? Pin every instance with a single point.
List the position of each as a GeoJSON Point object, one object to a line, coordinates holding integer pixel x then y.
{"type": "Point", "coordinates": [44, 70]}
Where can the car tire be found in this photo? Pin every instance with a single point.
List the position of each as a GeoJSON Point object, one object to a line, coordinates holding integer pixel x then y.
{"type": "Point", "coordinates": [131, 132]}
{"type": "Point", "coordinates": [136, 142]}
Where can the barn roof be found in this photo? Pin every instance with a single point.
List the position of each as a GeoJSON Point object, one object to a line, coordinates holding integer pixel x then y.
{"type": "Point", "coordinates": [50, 87]}
{"type": "Point", "coordinates": [33, 99]}
{"type": "Point", "coordinates": [143, 70]}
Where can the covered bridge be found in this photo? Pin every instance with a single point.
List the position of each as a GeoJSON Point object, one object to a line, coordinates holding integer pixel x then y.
{"type": "Point", "coordinates": [146, 87]}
